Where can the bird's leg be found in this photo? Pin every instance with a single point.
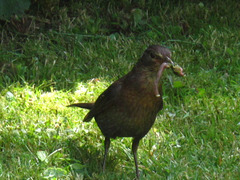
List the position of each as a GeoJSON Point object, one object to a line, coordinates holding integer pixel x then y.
{"type": "Point", "coordinates": [134, 150]}
{"type": "Point", "coordinates": [106, 146]}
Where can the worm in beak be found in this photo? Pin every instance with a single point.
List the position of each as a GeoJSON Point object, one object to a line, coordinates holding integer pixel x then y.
{"type": "Point", "coordinates": [176, 70]}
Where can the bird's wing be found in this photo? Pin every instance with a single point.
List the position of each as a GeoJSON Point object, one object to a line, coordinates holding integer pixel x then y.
{"type": "Point", "coordinates": [105, 100]}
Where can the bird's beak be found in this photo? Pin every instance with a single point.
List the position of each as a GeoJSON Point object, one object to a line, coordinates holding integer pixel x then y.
{"type": "Point", "coordinates": [170, 61]}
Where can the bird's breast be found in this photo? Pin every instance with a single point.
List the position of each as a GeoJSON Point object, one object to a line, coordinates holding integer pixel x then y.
{"type": "Point", "coordinates": [134, 110]}
{"type": "Point", "coordinates": [139, 110]}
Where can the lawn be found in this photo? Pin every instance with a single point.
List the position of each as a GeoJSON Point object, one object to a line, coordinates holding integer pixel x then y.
{"type": "Point", "coordinates": [195, 136]}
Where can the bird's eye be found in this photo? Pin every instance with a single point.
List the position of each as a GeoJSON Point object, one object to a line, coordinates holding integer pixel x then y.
{"type": "Point", "coordinates": [153, 55]}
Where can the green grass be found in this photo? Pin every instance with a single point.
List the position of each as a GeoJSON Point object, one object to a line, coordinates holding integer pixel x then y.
{"type": "Point", "coordinates": [196, 135]}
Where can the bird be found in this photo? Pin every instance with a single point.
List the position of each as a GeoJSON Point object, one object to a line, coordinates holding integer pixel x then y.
{"type": "Point", "coordinates": [129, 106]}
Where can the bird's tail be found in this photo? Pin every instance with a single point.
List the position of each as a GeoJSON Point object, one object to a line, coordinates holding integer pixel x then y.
{"type": "Point", "coordinates": [82, 105]}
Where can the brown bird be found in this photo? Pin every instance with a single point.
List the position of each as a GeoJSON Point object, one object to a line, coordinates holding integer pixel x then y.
{"type": "Point", "coordinates": [128, 107]}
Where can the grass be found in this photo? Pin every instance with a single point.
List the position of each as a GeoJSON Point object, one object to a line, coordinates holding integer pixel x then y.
{"type": "Point", "coordinates": [196, 135]}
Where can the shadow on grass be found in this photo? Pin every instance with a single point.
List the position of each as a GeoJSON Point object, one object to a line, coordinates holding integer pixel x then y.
{"type": "Point", "coordinates": [87, 161]}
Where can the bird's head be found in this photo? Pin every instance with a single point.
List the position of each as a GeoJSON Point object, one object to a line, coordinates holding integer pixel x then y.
{"type": "Point", "coordinates": [159, 57]}
{"type": "Point", "coordinates": [156, 55]}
